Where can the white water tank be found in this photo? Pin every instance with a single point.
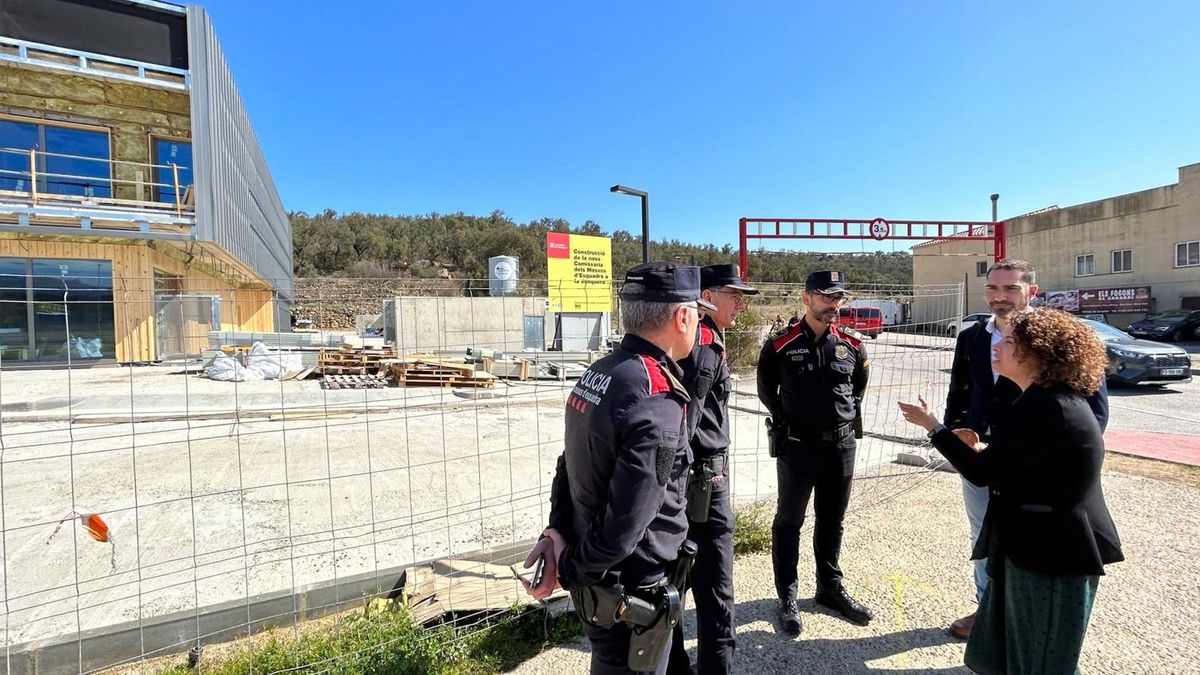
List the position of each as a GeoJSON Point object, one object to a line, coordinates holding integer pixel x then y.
{"type": "Point", "coordinates": [502, 274]}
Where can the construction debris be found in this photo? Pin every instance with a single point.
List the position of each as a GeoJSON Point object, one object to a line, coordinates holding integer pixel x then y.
{"type": "Point", "coordinates": [423, 371]}
{"type": "Point", "coordinates": [462, 586]}
{"type": "Point", "coordinates": [348, 360]}
{"type": "Point", "coordinates": [354, 382]}
{"type": "Point", "coordinates": [509, 369]}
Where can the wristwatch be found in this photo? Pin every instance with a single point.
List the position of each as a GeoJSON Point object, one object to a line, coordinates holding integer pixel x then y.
{"type": "Point", "coordinates": [936, 428]}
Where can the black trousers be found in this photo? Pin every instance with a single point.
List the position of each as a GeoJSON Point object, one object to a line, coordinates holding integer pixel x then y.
{"type": "Point", "coordinates": [610, 651]}
{"type": "Point", "coordinates": [712, 591]}
{"type": "Point", "coordinates": [803, 468]}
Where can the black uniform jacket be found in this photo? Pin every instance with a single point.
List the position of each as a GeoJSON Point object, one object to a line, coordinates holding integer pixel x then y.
{"type": "Point", "coordinates": [1043, 469]}
{"type": "Point", "coordinates": [813, 383]}
{"type": "Point", "coordinates": [706, 376]}
{"type": "Point", "coordinates": [980, 402]}
{"type": "Point", "coordinates": [619, 487]}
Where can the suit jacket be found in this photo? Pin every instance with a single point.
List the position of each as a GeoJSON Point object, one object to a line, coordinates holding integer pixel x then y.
{"type": "Point", "coordinates": [1046, 509]}
{"type": "Point", "coordinates": [981, 403]}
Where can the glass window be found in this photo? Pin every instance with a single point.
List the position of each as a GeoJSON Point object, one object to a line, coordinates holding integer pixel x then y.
{"type": "Point", "coordinates": [85, 172]}
{"type": "Point", "coordinates": [16, 140]}
{"type": "Point", "coordinates": [1187, 254]}
{"type": "Point", "coordinates": [981, 269]}
{"type": "Point", "coordinates": [73, 309]}
{"type": "Point", "coordinates": [167, 152]}
{"type": "Point", "coordinates": [1122, 261]}
{"type": "Point", "coordinates": [14, 310]}
{"type": "Point", "coordinates": [70, 161]}
{"type": "Point", "coordinates": [1085, 265]}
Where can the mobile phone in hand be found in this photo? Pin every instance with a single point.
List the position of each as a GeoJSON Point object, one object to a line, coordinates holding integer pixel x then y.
{"type": "Point", "coordinates": [532, 579]}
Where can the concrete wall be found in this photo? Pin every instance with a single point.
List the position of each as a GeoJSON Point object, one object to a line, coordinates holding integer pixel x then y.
{"type": "Point", "coordinates": [425, 323]}
{"type": "Point", "coordinates": [131, 113]}
{"type": "Point", "coordinates": [1149, 223]}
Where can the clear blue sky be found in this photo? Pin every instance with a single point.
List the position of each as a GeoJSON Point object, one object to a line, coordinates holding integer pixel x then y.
{"type": "Point", "coordinates": [718, 110]}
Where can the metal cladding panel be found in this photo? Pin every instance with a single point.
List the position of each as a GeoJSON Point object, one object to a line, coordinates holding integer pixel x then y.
{"type": "Point", "coordinates": [237, 205]}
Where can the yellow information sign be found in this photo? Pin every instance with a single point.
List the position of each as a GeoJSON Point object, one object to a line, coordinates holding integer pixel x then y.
{"type": "Point", "coordinates": [579, 269]}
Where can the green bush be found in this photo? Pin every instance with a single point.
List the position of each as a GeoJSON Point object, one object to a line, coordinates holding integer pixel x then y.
{"type": "Point", "coordinates": [751, 529]}
{"type": "Point", "coordinates": [744, 341]}
{"type": "Point", "coordinates": [388, 642]}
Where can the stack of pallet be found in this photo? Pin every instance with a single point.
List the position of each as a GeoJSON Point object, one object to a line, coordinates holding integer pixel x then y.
{"type": "Point", "coordinates": [422, 371]}
{"type": "Point", "coordinates": [354, 360]}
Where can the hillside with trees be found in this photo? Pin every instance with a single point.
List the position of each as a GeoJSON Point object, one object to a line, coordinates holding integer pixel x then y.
{"type": "Point", "coordinates": [458, 246]}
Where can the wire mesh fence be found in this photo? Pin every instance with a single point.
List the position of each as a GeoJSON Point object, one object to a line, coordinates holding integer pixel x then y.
{"type": "Point", "coordinates": [399, 443]}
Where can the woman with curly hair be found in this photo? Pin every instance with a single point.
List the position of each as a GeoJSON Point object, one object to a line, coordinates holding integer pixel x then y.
{"type": "Point", "coordinates": [1047, 534]}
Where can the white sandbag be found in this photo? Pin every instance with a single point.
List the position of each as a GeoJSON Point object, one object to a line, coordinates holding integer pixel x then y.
{"type": "Point", "coordinates": [226, 369]}
{"type": "Point", "coordinates": [272, 364]}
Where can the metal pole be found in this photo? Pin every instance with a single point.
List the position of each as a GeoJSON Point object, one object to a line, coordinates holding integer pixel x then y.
{"type": "Point", "coordinates": [645, 228]}
{"type": "Point", "coordinates": [743, 263]}
{"type": "Point", "coordinates": [33, 176]}
{"type": "Point", "coordinates": [175, 175]}
{"type": "Point", "coordinates": [995, 198]}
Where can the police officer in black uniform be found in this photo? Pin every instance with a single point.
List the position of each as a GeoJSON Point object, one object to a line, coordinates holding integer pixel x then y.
{"type": "Point", "coordinates": [710, 515]}
{"type": "Point", "coordinates": [617, 521]}
{"type": "Point", "coordinates": [811, 378]}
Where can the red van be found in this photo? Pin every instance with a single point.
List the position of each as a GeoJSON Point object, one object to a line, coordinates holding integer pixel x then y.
{"type": "Point", "coordinates": [866, 320]}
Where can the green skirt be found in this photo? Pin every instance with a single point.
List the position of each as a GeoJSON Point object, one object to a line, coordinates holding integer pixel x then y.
{"type": "Point", "coordinates": [1029, 622]}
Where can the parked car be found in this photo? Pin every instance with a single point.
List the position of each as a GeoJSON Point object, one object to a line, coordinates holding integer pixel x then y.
{"type": "Point", "coordinates": [1134, 361]}
{"type": "Point", "coordinates": [956, 326]}
{"type": "Point", "coordinates": [1174, 326]}
{"type": "Point", "coordinates": [866, 320]}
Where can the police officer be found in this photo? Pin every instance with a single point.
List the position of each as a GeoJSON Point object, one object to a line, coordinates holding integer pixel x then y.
{"type": "Point", "coordinates": [710, 515]}
{"type": "Point", "coordinates": [811, 377]}
{"type": "Point", "coordinates": [617, 518]}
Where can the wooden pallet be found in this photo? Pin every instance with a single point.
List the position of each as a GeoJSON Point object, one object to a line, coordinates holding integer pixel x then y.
{"type": "Point", "coordinates": [354, 382]}
{"type": "Point", "coordinates": [512, 369]}
{"type": "Point", "coordinates": [438, 373]}
{"type": "Point", "coordinates": [353, 360]}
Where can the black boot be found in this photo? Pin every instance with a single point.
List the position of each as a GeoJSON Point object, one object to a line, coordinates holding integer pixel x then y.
{"type": "Point", "coordinates": [837, 599]}
{"type": "Point", "coordinates": [789, 618]}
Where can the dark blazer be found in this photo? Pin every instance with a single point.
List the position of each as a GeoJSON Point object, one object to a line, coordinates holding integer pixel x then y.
{"type": "Point", "coordinates": [1046, 507]}
{"type": "Point", "coordinates": [978, 402]}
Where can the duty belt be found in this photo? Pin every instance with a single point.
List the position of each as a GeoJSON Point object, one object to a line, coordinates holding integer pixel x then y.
{"type": "Point", "coordinates": [714, 464]}
{"type": "Point", "coordinates": [801, 434]}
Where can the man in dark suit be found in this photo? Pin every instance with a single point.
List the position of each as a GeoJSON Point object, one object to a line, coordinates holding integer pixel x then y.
{"type": "Point", "coordinates": [979, 398]}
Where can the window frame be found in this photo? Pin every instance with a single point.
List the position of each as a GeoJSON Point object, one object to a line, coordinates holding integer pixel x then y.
{"type": "Point", "coordinates": [981, 269]}
{"type": "Point", "coordinates": [151, 140]}
{"type": "Point", "coordinates": [1175, 257]}
{"type": "Point", "coordinates": [41, 123]}
{"type": "Point", "coordinates": [1083, 256]}
{"type": "Point", "coordinates": [1112, 261]}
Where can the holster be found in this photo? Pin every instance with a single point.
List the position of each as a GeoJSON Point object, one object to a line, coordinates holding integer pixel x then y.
{"type": "Point", "coordinates": [776, 437]}
{"type": "Point", "coordinates": [700, 486]}
{"type": "Point", "coordinates": [598, 605]}
{"type": "Point", "coordinates": [651, 612]}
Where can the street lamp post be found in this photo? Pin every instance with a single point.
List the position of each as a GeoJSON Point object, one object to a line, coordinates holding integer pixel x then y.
{"type": "Point", "coordinates": [621, 189]}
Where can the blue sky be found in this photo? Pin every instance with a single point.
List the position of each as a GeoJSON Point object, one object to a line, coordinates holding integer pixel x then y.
{"type": "Point", "coordinates": [718, 109]}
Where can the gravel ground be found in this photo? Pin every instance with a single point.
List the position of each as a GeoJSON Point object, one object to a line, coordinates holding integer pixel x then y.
{"type": "Point", "coordinates": [906, 558]}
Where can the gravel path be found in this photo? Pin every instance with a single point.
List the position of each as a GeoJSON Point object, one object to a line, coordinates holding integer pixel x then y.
{"type": "Point", "coordinates": [906, 558]}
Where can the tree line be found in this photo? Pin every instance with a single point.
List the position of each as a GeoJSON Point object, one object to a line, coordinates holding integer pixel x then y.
{"type": "Point", "coordinates": [330, 244]}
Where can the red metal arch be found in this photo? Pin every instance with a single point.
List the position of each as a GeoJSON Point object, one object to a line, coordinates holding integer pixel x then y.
{"type": "Point", "coordinates": [877, 229]}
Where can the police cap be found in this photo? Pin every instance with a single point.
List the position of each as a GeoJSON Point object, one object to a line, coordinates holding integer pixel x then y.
{"type": "Point", "coordinates": [663, 282]}
{"type": "Point", "coordinates": [729, 276]}
{"type": "Point", "coordinates": [826, 282]}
